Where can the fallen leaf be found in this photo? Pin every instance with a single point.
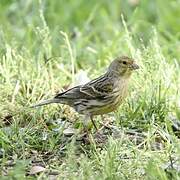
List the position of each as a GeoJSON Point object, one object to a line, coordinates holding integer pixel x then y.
{"type": "Point", "coordinates": [69, 131]}
{"type": "Point", "coordinates": [36, 169]}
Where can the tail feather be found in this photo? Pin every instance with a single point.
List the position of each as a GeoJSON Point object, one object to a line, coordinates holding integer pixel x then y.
{"type": "Point", "coordinates": [45, 102]}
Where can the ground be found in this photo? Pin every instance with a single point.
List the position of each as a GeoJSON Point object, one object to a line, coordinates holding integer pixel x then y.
{"type": "Point", "coordinates": [44, 45]}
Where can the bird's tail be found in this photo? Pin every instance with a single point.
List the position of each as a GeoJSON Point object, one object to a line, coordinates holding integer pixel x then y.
{"type": "Point", "coordinates": [45, 102]}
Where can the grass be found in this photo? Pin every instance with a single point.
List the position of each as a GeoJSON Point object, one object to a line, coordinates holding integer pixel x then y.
{"type": "Point", "coordinates": [44, 44]}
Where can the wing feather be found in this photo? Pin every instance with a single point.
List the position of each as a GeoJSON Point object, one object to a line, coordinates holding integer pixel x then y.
{"type": "Point", "coordinates": [98, 88]}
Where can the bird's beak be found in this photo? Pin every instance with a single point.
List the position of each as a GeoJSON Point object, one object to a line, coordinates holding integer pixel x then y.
{"type": "Point", "coordinates": [134, 66]}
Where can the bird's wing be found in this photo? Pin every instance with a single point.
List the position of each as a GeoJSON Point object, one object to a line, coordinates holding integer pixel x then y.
{"type": "Point", "coordinates": [98, 88]}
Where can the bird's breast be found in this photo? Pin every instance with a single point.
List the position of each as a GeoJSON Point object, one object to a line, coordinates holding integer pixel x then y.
{"type": "Point", "coordinates": [120, 87]}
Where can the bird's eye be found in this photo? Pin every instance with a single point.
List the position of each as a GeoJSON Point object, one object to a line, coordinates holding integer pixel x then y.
{"type": "Point", "coordinates": [124, 62]}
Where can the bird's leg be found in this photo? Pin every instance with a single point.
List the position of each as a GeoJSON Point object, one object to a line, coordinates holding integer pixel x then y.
{"type": "Point", "coordinates": [87, 137]}
{"type": "Point", "coordinates": [91, 117]}
{"type": "Point", "coordinates": [85, 123]}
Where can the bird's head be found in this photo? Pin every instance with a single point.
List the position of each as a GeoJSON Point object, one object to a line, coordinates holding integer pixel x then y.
{"type": "Point", "coordinates": [123, 66]}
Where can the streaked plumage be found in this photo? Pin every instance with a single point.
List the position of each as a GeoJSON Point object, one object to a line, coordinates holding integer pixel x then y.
{"type": "Point", "coordinates": [101, 95]}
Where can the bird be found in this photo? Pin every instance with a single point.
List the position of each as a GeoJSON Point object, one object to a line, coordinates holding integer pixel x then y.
{"type": "Point", "coordinates": [101, 95]}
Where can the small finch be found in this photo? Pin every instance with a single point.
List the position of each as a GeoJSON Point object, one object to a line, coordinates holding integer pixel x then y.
{"type": "Point", "coordinates": [101, 95]}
